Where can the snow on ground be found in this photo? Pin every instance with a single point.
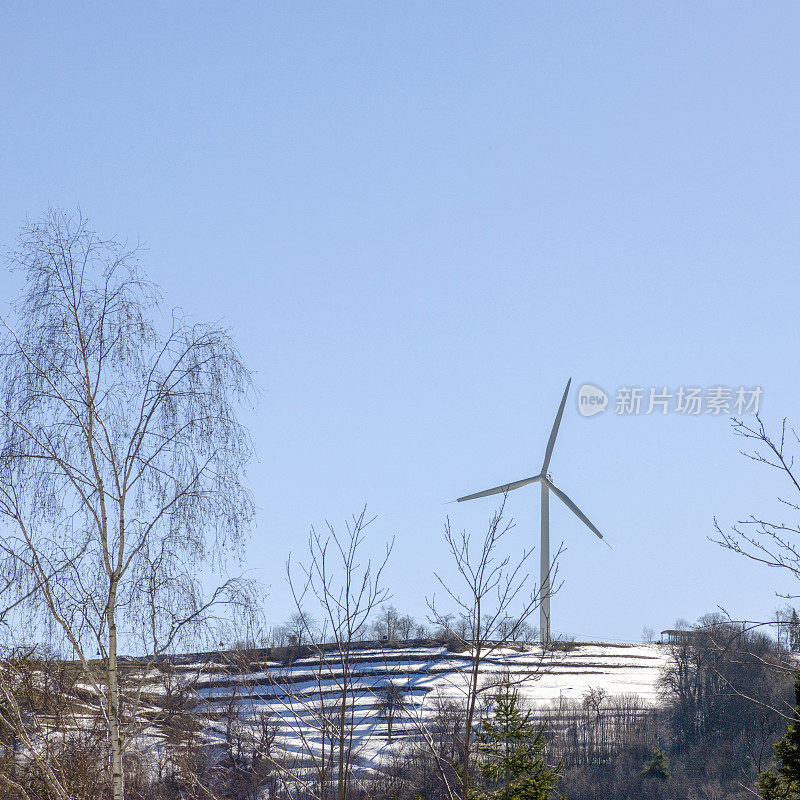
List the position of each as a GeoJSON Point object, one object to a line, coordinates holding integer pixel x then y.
{"type": "Point", "coordinates": [292, 693]}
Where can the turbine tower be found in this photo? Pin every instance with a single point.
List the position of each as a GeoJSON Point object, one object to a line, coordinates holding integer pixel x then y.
{"type": "Point", "coordinates": [547, 486]}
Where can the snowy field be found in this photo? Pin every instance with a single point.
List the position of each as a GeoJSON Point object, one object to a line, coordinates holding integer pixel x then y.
{"type": "Point", "coordinates": [292, 695]}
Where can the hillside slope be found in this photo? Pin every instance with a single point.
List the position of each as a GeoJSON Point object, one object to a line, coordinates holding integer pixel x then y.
{"type": "Point", "coordinates": [291, 691]}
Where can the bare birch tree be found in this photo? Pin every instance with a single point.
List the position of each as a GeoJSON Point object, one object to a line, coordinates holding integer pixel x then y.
{"type": "Point", "coordinates": [121, 466]}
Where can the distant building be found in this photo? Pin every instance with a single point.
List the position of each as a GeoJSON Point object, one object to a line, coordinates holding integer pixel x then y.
{"type": "Point", "coordinates": [683, 636]}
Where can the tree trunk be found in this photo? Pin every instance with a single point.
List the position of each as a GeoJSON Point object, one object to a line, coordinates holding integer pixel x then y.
{"type": "Point", "coordinates": [471, 700]}
{"type": "Point", "coordinates": [114, 724]}
{"type": "Point", "coordinates": [342, 727]}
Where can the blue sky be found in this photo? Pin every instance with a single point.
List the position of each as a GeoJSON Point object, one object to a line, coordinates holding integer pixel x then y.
{"type": "Point", "coordinates": [419, 220]}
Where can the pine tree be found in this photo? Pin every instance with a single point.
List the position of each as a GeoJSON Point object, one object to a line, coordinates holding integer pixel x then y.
{"type": "Point", "coordinates": [658, 767]}
{"type": "Point", "coordinates": [794, 631]}
{"type": "Point", "coordinates": [784, 783]}
{"type": "Point", "coordinates": [511, 752]}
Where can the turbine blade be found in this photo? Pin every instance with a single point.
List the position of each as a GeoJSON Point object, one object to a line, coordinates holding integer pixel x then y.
{"type": "Point", "coordinates": [553, 433]}
{"type": "Point", "coordinates": [506, 487]}
{"type": "Point", "coordinates": [575, 510]}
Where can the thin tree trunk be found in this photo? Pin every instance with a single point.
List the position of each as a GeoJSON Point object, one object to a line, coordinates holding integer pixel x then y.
{"type": "Point", "coordinates": [343, 763]}
{"type": "Point", "coordinates": [114, 726]}
{"type": "Point", "coordinates": [472, 697]}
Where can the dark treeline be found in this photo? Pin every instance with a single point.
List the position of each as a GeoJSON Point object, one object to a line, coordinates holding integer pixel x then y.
{"type": "Point", "coordinates": [727, 695]}
{"type": "Point", "coordinates": [726, 692]}
{"type": "Point", "coordinates": [389, 624]}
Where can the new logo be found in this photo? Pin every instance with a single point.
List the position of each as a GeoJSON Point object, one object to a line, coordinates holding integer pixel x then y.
{"type": "Point", "coordinates": [591, 400]}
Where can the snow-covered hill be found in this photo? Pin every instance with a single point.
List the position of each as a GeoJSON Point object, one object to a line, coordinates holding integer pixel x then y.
{"type": "Point", "coordinates": [292, 688]}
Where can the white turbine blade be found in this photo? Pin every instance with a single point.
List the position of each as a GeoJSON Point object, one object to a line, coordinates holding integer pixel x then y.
{"type": "Point", "coordinates": [575, 510]}
{"type": "Point", "coordinates": [506, 487]}
{"type": "Point", "coordinates": [553, 433]}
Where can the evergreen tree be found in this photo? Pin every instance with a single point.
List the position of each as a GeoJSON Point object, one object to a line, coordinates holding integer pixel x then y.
{"type": "Point", "coordinates": [658, 767]}
{"type": "Point", "coordinates": [784, 783]}
{"type": "Point", "coordinates": [511, 752]}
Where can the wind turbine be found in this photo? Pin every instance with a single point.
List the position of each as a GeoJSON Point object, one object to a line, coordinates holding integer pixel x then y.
{"type": "Point", "coordinates": [546, 482]}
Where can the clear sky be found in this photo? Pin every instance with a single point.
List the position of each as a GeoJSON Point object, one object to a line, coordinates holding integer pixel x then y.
{"type": "Point", "coordinates": [420, 219]}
